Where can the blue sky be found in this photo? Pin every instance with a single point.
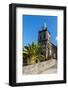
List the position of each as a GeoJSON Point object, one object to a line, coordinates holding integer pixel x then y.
{"type": "Point", "coordinates": [33, 23]}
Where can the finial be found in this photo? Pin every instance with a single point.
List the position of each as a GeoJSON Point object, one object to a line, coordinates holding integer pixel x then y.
{"type": "Point", "coordinates": [45, 26]}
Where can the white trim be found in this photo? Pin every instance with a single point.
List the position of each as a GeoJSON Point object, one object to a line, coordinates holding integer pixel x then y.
{"type": "Point", "coordinates": [45, 77]}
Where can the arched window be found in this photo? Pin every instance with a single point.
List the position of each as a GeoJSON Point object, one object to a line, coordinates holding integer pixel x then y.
{"type": "Point", "coordinates": [44, 36]}
{"type": "Point", "coordinates": [40, 37]}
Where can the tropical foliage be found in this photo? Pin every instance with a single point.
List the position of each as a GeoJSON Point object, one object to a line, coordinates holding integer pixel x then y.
{"type": "Point", "coordinates": [32, 53]}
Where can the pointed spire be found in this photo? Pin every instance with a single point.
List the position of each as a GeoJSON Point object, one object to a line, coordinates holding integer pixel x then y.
{"type": "Point", "coordinates": [45, 26]}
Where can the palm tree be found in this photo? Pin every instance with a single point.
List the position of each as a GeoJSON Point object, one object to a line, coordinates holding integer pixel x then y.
{"type": "Point", "coordinates": [31, 53]}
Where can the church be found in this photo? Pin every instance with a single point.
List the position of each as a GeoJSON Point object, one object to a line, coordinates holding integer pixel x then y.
{"type": "Point", "coordinates": [48, 48]}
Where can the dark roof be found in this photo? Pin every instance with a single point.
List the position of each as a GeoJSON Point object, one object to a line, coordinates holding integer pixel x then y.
{"type": "Point", "coordinates": [44, 30]}
{"type": "Point", "coordinates": [53, 45]}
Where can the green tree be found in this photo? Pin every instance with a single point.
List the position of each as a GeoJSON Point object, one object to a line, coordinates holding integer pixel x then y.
{"type": "Point", "coordinates": [32, 53]}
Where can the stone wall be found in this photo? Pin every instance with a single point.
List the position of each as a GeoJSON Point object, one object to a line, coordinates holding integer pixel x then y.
{"type": "Point", "coordinates": [39, 67]}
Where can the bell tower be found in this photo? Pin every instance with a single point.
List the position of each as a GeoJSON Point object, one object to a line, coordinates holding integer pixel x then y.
{"type": "Point", "coordinates": [43, 36]}
{"type": "Point", "coordinates": [44, 40]}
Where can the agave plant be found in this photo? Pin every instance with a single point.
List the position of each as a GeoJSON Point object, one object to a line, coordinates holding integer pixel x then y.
{"type": "Point", "coordinates": [31, 53]}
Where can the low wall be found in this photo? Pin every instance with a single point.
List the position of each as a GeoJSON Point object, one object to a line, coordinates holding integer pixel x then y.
{"type": "Point", "coordinates": [39, 67]}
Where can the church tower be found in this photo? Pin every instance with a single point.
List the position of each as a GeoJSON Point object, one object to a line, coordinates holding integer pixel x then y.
{"type": "Point", "coordinates": [44, 40]}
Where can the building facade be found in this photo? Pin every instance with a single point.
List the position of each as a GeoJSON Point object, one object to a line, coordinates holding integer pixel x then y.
{"type": "Point", "coordinates": [48, 48]}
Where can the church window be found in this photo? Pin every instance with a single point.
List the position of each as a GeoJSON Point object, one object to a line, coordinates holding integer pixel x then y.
{"type": "Point", "coordinates": [44, 36]}
{"type": "Point", "coordinates": [40, 37]}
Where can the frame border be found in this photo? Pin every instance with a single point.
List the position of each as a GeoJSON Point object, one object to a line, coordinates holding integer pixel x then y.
{"type": "Point", "coordinates": [12, 44]}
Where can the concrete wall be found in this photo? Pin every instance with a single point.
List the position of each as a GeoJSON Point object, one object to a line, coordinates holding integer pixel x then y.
{"type": "Point", "coordinates": [39, 67]}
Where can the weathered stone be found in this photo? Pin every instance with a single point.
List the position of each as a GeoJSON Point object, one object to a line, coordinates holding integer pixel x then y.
{"type": "Point", "coordinates": [41, 67]}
